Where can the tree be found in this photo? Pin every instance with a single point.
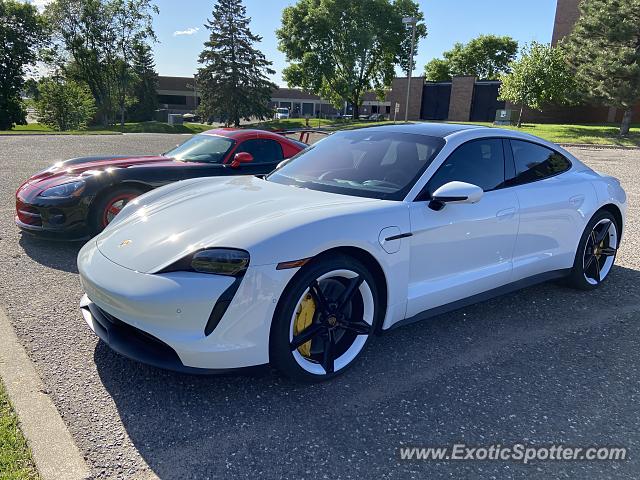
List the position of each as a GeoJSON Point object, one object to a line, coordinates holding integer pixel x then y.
{"type": "Point", "coordinates": [486, 57]}
{"type": "Point", "coordinates": [408, 8]}
{"type": "Point", "coordinates": [94, 45]}
{"type": "Point", "coordinates": [64, 104]}
{"type": "Point", "coordinates": [234, 79]}
{"type": "Point", "coordinates": [437, 70]}
{"type": "Point", "coordinates": [145, 83]}
{"type": "Point", "coordinates": [340, 50]}
{"type": "Point", "coordinates": [22, 31]}
{"type": "Point", "coordinates": [132, 24]}
{"type": "Point", "coordinates": [540, 76]}
{"type": "Point", "coordinates": [604, 49]}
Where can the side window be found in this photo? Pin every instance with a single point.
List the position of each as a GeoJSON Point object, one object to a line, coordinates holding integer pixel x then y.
{"type": "Point", "coordinates": [263, 150]}
{"type": "Point", "coordinates": [535, 162]}
{"type": "Point", "coordinates": [480, 162]}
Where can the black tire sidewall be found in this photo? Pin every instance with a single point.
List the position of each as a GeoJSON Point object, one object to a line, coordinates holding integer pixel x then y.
{"type": "Point", "coordinates": [280, 355]}
{"type": "Point", "coordinates": [576, 278]}
{"type": "Point", "coordinates": [97, 209]}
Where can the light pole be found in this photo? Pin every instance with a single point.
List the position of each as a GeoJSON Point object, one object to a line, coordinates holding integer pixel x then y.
{"type": "Point", "coordinates": [195, 91]}
{"type": "Point", "coordinates": [412, 21]}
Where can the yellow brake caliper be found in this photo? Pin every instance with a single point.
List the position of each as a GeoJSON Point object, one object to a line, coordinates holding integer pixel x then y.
{"type": "Point", "coordinates": [304, 318]}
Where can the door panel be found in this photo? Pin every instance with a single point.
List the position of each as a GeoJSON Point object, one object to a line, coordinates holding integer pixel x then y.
{"type": "Point", "coordinates": [552, 217]}
{"type": "Point", "coordinates": [461, 250]}
{"type": "Point", "coordinates": [552, 209]}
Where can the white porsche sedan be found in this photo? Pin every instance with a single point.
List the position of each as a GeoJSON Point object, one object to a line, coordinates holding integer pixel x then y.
{"type": "Point", "coordinates": [362, 232]}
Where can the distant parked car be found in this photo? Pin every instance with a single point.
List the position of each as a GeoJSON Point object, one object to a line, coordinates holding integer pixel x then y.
{"type": "Point", "coordinates": [190, 117]}
{"type": "Point", "coordinates": [377, 117]}
{"type": "Point", "coordinates": [281, 114]}
{"type": "Point", "coordinates": [78, 198]}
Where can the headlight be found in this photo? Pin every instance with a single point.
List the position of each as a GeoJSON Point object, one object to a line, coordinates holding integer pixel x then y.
{"type": "Point", "coordinates": [65, 190]}
{"type": "Point", "coordinates": [218, 261]}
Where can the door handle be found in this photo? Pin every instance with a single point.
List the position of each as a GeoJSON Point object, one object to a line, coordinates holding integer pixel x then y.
{"type": "Point", "coordinates": [506, 213]}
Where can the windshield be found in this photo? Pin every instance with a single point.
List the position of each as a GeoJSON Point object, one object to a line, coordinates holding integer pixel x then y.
{"type": "Point", "coordinates": [282, 110]}
{"type": "Point", "coordinates": [375, 164]}
{"type": "Point", "coordinates": [202, 148]}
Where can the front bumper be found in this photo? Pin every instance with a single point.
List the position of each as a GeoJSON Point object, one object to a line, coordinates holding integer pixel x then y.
{"type": "Point", "coordinates": [56, 219]}
{"type": "Point", "coordinates": [135, 344]}
{"type": "Point", "coordinates": [160, 319]}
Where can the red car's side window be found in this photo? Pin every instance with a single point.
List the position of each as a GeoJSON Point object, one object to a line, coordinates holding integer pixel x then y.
{"type": "Point", "coordinates": [263, 150]}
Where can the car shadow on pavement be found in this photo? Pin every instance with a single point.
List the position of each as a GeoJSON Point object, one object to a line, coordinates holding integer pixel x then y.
{"type": "Point", "coordinates": [54, 254]}
{"type": "Point", "coordinates": [520, 368]}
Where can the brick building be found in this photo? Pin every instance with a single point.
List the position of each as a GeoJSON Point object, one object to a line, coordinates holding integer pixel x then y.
{"type": "Point", "coordinates": [180, 95]}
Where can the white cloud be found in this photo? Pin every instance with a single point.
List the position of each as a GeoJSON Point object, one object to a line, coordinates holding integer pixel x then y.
{"type": "Point", "coordinates": [39, 4]}
{"type": "Point", "coordinates": [188, 31]}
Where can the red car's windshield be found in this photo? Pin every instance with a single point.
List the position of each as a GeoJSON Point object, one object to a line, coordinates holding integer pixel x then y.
{"type": "Point", "coordinates": [202, 148]}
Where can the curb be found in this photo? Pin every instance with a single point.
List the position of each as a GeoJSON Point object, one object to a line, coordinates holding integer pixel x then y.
{"type": "Point", "coordinates": [595, 146]}
{"type": "Point", "coordinates": [55, 454]}
{"type": "Point", "coordinates": [54, 134]}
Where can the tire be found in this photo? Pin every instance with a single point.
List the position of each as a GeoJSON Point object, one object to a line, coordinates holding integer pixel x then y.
{"type": "Point", "coordinates": [310, 305]}
{"type": "Point", "coordinates": [591, 267]}
{"type": "Point", "coordinates": [108, 205]}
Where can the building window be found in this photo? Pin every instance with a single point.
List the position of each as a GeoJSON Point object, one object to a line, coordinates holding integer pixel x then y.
{"type": "Point", "coordinates": [172, 99]}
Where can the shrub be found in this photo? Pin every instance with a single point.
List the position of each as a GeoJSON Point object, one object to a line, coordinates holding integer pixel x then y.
{"type": "Point", "coordinates": [64, 104]}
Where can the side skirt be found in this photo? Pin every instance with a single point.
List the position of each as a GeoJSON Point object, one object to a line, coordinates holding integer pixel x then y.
{"type": "Point", "coordinates": [481, 297]}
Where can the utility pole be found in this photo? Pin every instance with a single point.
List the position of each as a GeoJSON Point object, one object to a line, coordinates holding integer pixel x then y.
{"type": "Point", "coordinates": [412, 22]}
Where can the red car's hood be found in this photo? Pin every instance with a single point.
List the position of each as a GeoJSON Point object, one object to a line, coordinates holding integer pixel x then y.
{"type": "Point", "coordinates": [61, 171]}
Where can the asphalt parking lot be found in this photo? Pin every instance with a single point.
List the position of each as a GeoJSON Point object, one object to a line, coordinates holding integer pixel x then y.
{"type": "Point", "coordinates": [543, 366]}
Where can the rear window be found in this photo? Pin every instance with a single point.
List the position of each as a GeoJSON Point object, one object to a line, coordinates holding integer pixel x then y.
{"type": "Point", "coordinates": [535, 162]}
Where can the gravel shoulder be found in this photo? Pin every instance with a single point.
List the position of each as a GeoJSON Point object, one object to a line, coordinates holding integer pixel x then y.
{"type": "Point", "coordinates": [541, 366]}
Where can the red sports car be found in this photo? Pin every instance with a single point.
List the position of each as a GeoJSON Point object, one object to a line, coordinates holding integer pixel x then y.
{"type": "Point", "coordinates": [77, 198]}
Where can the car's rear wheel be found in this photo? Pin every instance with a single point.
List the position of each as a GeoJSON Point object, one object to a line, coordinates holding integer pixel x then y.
{"type": "Point", "coordinates": [109, 205]}
{"type": "Point", "coordinates": [596, 252]}
{"type": "Point", "coordinates": [324, 319]}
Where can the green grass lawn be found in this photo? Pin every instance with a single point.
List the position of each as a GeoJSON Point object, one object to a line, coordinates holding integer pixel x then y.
{"type": "Point", "coordinates": [290, 123]}
{"type": "Point", "coordinates": [583, 134]}
{"type": "Point", "coordinates": [134, 127]}
{"type": "Point", "coordinates": [15, 458]}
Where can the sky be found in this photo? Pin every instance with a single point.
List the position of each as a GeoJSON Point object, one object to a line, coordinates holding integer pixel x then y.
{"type": "Point", "coordinates": [181, 33]}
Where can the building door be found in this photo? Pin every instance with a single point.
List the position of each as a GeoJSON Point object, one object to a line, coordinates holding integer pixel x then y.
{"type": "Point", "coordinates": [435, 101]}
{"type": "Point", "coordinates": [485, 102]}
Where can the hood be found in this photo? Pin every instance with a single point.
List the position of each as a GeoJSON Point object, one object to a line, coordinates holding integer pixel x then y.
{"type": "Point", "coordinates": [68, 170]}
{"type": "Point", "coordinates": [238, 212]}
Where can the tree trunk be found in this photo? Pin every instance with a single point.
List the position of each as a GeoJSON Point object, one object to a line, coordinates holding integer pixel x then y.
{"type": "Point", "coordinates": [122, 117]}
{"type": "Point", "coordinates": [356, 112]}
{"type": "Point", "coordinates": [520, 116]}
{"type": "Point", "coordinates": [626, 122]}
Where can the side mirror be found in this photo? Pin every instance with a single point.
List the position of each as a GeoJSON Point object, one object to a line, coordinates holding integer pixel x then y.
{"type": "Point", "coordinates": [242, 157]}
{"type": "Point", "coordinates": [455, 192]}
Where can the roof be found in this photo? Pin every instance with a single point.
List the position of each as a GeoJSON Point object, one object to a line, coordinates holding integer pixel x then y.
{"type": "Point", "coordinates": [175, 83]}
{"type": "Point", "coordinates": [242, 134]}
{"type": "Point", "coordinates": [427, 128]}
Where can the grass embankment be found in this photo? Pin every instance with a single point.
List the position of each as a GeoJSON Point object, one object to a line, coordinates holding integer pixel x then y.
{"type": "Point", "coordinates": [16, 462]}
{"type": "Point", "coordinates": [134, 127]}
{"type": "Point", "coordinates": [294, 123]}
{"type": "Point", "coordinates": [579, 134]}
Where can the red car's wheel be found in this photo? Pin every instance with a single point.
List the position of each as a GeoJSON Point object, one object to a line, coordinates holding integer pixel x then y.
{"type": "Point", "coordinates": [114, 206]}
{"type": "Point", "coordinates": [110, 205]}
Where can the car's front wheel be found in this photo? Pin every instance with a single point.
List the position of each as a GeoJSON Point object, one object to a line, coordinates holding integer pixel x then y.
{"type": "Point", "coordinates": [109, 205]}
{"type": "Point", "coordinates": [596, 252]}
{"type": "Point", "coordinates": [324, 319]}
